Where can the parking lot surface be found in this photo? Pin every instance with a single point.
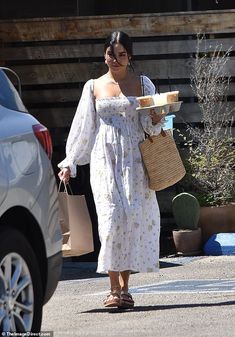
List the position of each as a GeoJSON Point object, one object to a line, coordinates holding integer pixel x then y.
{"type": "Point", "coordinates": [189, 297]}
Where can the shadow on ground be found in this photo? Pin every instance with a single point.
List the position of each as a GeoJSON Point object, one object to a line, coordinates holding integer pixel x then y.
{"type": "Point", "coordinates": [158, 307]}
{"type": "Point", "coordinates": [82, 270]}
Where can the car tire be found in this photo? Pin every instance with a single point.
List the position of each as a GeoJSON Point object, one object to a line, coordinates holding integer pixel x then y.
{"type": "Point", "coordinates": [21, 295]}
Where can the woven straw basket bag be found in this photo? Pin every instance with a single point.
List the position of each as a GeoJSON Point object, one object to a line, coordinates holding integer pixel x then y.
{"type": "Point", "coordinates": [162, 160]}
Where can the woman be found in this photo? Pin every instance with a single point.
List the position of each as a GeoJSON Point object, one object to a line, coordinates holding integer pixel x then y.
{"type": "Point", "coordinates": [106, 132]}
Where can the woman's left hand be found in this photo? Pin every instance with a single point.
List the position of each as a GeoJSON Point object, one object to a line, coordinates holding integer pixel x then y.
{"type": "Point", "coordinates": [156, 118]}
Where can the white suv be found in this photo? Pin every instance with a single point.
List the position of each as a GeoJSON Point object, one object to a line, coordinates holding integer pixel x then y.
{"type": "Point", "coordinates": [30, 237]}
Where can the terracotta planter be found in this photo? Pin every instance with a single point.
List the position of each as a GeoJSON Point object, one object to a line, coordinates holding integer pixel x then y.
{"type": "Point", "coordinates": [187, 242]}
{"type": "Point", "coordinates": [215, 220]}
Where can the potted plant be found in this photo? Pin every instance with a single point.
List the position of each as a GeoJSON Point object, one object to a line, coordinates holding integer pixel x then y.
{"type": "Point", "coordinates": [187, 236]}
{"type": "Point", "coordinates": [210, 161]}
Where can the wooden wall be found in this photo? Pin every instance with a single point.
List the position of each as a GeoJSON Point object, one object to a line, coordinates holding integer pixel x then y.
{"type": "Point", "coordinates": [55, 56]}
{"type": "Point", "coordinates": [54, 8]}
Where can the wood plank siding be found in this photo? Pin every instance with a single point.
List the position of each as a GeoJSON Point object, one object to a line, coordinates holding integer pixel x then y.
{"type": "Point", "coordinates": [54, 57]}
{"type": "Point", "coordinates": [136, 25]}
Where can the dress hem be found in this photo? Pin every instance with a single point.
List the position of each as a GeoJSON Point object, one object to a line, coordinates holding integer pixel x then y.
{"type": "Point", "coordinates": [153, 270]}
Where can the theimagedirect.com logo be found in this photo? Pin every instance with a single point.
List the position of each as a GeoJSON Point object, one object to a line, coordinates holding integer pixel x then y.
{"type": "Point", "coordinates": [27, 334]}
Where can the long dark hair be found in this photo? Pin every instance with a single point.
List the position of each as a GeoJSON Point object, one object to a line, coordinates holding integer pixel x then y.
{"type": "Point", "coordinates": [123, 39]}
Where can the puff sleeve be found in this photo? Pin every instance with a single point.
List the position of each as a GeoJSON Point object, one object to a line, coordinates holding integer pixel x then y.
{"type": "Point", "coordinates": [145, 119]}
{"type": "Point", "coordinates": [82, 132]}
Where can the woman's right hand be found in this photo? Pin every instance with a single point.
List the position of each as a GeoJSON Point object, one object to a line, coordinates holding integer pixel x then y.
{"type": "Point", "coordinates": [64, 174]}
{"type": "Point", "coordinates": [156, 118]}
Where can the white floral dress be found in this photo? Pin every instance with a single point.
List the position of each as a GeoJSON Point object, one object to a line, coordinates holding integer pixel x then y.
{"type": "Point", "coordinates": [106, 133]}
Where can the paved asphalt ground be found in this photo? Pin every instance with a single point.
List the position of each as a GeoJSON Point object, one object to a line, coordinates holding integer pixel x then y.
{"type": "Point", "coordinates": [189, 297]}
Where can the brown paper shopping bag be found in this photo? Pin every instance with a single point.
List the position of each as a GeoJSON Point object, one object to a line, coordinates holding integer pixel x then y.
{"type": "Point", "coordinates": [75, 223]}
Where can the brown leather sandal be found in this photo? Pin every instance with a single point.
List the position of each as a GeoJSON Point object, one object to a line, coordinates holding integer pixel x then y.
{"type": "Point", "coordinates": [112, 300]}
{"type": "Point", "coordinates": [127, 301]}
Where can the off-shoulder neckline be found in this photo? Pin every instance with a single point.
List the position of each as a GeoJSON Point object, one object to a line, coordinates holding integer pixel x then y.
{"type": "Point", "coordinates": [91, 82]}
{"type": "Point", "coordinates": [114, 97]}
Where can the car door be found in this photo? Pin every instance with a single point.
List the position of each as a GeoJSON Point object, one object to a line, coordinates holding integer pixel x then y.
{"type": "Point", "coordinates": [3, 178]}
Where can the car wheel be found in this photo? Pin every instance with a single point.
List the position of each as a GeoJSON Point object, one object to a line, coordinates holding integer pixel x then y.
{"type": "Point", "coordinates": [20, 284]}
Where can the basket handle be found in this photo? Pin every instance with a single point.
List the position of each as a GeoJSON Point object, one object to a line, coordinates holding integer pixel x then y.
{"type": "Point", "coordinates": [147, 136]}
{"type": "Point", "coordinates": [163, 133]}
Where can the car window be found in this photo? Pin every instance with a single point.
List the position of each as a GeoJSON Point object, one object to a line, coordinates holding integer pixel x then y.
{"type": "Point", "coordinates": [9, 96]}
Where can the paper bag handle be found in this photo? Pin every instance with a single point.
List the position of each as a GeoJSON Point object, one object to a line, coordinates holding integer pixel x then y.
{"type": "Point", "coordinates": [65, 187]}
